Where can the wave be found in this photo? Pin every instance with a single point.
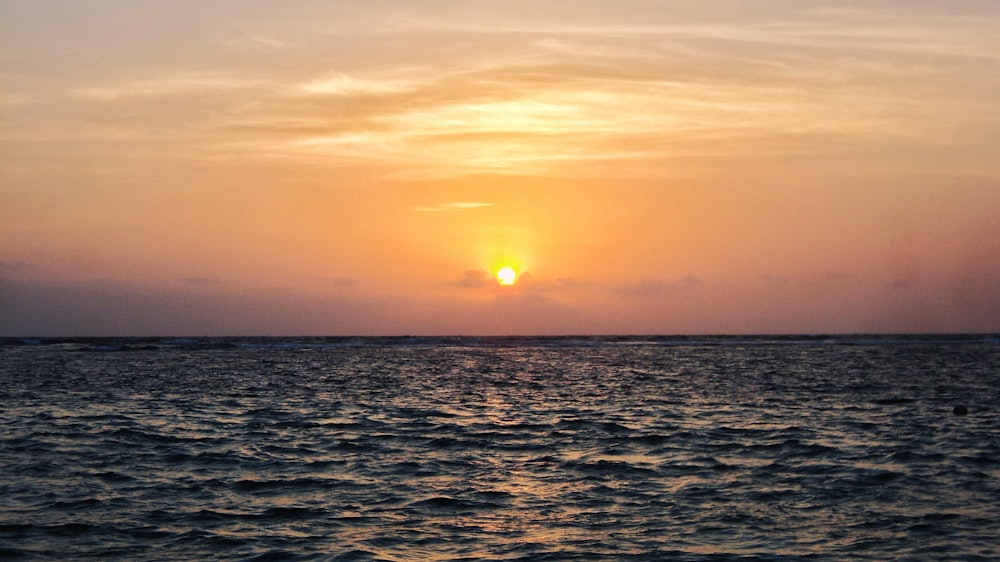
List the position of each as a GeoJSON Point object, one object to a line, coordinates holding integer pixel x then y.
{"type": "Point", "coordinates": [625, 448]}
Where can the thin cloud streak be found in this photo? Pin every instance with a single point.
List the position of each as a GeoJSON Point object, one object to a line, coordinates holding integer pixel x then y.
{"type": "Point", "coordinates": [457, 206]}
{"type": "Point", "coordinates": [179, 84]}
{"type": "Point", "coordinates": [800, 158]}
{"type": "Point", "coordinates": [598, 107]}
{"type": "Point", "coordinates": [571, 91]}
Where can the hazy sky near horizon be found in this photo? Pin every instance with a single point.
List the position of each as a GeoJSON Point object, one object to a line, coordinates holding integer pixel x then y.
{"type": "Point", "coordinates": [251, 167]}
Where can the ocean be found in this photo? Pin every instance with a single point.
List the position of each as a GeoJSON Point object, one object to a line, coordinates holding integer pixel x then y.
{"type": "Point", "coordinates": [589, 448]}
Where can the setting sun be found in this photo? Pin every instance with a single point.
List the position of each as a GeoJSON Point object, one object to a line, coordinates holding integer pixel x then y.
{"type": "Point", "coordinates": [506, 276]}
{"type": "Point", "coordinates": [628, 167]}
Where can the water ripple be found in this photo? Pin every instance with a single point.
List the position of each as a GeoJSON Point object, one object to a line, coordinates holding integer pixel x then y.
{"type": "Point", "coordinates": [564, 449]}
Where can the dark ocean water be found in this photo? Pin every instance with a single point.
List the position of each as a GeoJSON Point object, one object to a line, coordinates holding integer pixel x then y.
{"type": "Point", "coordinates": [501, 449]}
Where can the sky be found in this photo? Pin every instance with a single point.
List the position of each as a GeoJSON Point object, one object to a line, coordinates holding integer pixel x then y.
{"type": "Point", "coordinates": [242, 167]}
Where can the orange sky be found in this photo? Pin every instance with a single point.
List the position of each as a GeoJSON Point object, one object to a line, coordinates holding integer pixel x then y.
{"type": "Point", "coordinates": [190, 168]}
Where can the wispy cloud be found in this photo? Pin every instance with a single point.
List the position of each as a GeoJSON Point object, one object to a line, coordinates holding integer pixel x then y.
{"type": "Point", "coordinates": [643, 91]}
{"type": "Point", "coordinates": [777, 278]}
{"type": "Point", "coordinates": [652, 287]}
{"type": "Point", "coordinates": [549, 285]}
{"type": "Point", "coordinates": [456, 206]}
{"type": "Point", "coordinates": [340, 84]}
{"type": "Point", "coordinates": [15, 266]}
{"type": "Point", "coordinates": [257, 42]}
{"type": "Point", "coordinates": [527, 285]}
{"type": "Point", "coordinates": [475, 279]}
{"type": "Point", "coordinates": [201, 280]}
{"type": "Point", "coordinates": [175, 84]}
{"type": "Point", "coordinates": [561, 111]}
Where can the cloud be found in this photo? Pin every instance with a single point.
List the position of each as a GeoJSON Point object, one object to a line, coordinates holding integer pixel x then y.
{"type": "Point", "coordinates": [108, 308]}
{"type": "Point", "coordinates": [346, 85]}
{"type": "Point", "coordinates": [536, 92]}
{"type": "Point", "coordinates": [178, 84]}
{"type": "Point", "coordinates": [201, 280]}
{"type": "Point", "coordinates": [651, 287]}
{"type": "Point", "coordinates": [774, 278]}
{"type": "Point", "coordinates": [457, 206]}
{"type": "Point", "coordinates": [475, 279]}
{"type": "Point", "coordinates": [533, 90]}
{"type": "Point", "coordinates": [689, 281]}
{"type": "Point", "coordinates": [256, 41]}
{"type": "Point", "coordinates": [15, 266]}
{"type": "Point", "coordinates": [927, 28]}
{"type": "Point", "coordinates": [528, 282]}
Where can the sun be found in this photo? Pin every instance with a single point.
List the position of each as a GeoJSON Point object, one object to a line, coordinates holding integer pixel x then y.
{"type": "Point", "coordinates": [506, 276]}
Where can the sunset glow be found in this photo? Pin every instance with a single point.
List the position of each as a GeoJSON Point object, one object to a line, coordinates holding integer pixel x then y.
{"type": "Point", "coordinates": [368, 168]}
{"type": "Point", "coordinates": [506, 276]}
